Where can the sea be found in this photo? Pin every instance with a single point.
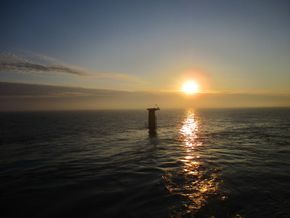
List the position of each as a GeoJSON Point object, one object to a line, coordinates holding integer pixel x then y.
{"type": "Point", "coordinates": [214, 163]}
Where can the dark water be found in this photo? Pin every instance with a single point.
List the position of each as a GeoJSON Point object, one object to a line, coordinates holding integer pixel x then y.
{"type": "Point", "coordinates": [202, 163]}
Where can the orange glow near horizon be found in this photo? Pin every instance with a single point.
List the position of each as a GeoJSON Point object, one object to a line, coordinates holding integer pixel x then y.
{"type": "Point", "coordinates": [190, 87]}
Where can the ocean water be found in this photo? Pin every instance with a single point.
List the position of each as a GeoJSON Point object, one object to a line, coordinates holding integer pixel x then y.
{"type": "Point", "coordinates": [202, 163]}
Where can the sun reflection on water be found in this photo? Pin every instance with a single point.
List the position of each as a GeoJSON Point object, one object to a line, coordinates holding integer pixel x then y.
{"type": "Point", "coordinates": [193, 181]}
{"type": "Point", "coordinates": [188, 131]}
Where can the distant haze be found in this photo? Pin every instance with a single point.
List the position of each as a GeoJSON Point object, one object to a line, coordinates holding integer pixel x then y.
{"type": "Point", "coordinates": [27, 97]}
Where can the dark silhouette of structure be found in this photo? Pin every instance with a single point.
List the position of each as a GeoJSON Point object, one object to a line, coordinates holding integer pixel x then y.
{"type": "Point", "coordinates": [152, 120]}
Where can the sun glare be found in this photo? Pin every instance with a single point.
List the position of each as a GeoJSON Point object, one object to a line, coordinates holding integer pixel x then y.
{"type": "Point", "coordinates": [190, 87]}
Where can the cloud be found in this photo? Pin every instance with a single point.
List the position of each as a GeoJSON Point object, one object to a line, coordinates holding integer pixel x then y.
{"type": "Point", "coordinates": [31, 67]}
{"type": "Point", "coordinates": [10, 62]}
{"type": "Point", "coordinates": [17, 96]}
{"type": "Point", "coordinates": [28, 62]}
{"type": "Point", "coordinates": [22, 90]}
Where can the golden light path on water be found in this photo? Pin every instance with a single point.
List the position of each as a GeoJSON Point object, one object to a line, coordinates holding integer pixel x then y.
{"type": "Point", "coordinates": [193, 181]}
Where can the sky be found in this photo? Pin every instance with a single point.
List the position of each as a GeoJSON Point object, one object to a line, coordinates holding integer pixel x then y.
{"type": "Point", "coordinates": [145, 47]}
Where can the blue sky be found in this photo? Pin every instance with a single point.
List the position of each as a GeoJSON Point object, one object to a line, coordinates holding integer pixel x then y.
{"type": "Point", "coordinates": [235, 46]}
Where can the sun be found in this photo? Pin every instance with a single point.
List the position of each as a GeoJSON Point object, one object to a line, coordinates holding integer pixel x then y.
{"type": "Point", "coordinates": [190, 87]}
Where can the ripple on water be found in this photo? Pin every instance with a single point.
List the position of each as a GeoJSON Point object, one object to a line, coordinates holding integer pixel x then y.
{"type": "Point", "coordinates": [192, 181]}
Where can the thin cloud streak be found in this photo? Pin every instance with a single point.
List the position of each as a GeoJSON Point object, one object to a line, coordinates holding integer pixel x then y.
{"type": "Point", "coordinates": [26, 67]}
{"type": "Point", "coordinates": [36, 63]}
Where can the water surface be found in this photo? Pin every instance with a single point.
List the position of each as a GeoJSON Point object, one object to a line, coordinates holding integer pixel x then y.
{"type": "Point", "coordinates": [202, 163]}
